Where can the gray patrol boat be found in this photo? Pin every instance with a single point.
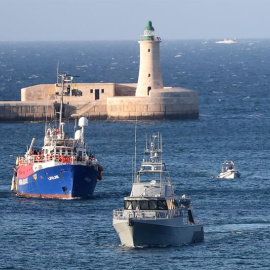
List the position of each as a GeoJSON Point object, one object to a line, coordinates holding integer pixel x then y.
{"type": "Point", "coordinates": [153, 214]}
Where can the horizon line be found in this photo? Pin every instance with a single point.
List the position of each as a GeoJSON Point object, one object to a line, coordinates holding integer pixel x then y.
{"type": "Point", "coordinates": [119, 40]}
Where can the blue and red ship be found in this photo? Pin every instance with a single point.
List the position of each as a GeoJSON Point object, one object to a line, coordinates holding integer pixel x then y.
{"type": "Point", "coordinates": [62, 168]}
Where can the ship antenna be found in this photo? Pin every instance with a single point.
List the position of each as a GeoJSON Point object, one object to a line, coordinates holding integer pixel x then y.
{"type": "Point", "coordinates": [158, 141]}
{"type": "Point", "coordinates": [145, 142]}
{"type": "Point", "coordinates": [63, 76]}
{"type": "Point", "coordinates": [161, 147]}
{"type": "Point", "coordinates": [135, 151]}
{"type": "Point", "coordinates": [57, 73]}
{"type": "Point", "coordinates": [132, 171]}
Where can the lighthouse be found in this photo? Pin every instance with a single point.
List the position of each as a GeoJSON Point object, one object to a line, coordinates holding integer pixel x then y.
{"type": "Point", "coordinates": [149, 72]}
{"type": "Point", "coordinates": [144, 100]}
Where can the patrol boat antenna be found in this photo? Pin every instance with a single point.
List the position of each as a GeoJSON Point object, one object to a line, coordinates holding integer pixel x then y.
{"type": "Point", "coordinates": [135, 153]}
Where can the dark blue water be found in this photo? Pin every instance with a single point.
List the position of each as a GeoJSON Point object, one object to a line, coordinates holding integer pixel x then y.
{"type": "Point", "coordinates": [233, 86]}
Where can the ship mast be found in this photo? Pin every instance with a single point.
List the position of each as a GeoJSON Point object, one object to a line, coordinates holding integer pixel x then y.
{"type": "Point", "coordinates": [135, 154]}
{"type": "Point", "coordinates": [61, 101]}
{"type": "Point", "coordinates": [57, 73]}
{"type": "Point", "coordinates": [64, 79]}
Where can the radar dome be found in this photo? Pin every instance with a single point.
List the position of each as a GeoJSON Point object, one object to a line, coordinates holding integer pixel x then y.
{"type": "Point", "coordinates": [83, 122]}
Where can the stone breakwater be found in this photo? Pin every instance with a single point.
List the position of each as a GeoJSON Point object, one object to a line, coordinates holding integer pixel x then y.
{"type": "Point", "coordinates": [103, 101]}
{"type": "Point", "coordinates": [117, 109]}
{"type": "Point", "coordinates": [17, 111]}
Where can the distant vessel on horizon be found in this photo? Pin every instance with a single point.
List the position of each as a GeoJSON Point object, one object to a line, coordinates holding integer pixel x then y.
{"type": "Point", "coordinates": [227, 41]}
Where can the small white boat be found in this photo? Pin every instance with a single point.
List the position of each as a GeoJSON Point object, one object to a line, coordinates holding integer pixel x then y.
{"type": "Point", "coordinates": [153, 215]}
{"type": "Point", "coordinates": [228, 170]}
{"type": "Point", "coordinates": [227, 41]}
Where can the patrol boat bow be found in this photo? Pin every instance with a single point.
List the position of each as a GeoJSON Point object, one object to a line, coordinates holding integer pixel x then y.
{"type": "Point", "coordinates": [62, 168]}
{"type": "Point", "coordinates": [153, 214]}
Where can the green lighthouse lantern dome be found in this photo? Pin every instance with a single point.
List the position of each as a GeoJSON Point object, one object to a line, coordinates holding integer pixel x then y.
{"type": "Point", "coordinates": [149, 31]}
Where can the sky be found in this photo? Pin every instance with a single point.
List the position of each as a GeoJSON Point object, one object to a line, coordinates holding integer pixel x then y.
{"type": "Point", "coordinates": [83, 20]}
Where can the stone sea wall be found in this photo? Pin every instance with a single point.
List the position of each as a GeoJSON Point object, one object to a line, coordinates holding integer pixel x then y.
{"type": "Point", "coordinates": [116, 102]}
{"type": "Point", "coordinates": [14, 111]}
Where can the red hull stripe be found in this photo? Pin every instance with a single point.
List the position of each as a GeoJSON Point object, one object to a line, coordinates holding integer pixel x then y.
{"type": "Point", "coordinates": [48, 196]}
{"type": "Point", "coordinates": [25, 170]}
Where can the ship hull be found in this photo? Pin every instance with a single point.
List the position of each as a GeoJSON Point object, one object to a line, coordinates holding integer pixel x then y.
{"type": "Point", "coordinates": [60, 181]}
{"type": "Point", "coordinates": [170, 232]}
{"type": "Point", "coordinates": [231, 174]}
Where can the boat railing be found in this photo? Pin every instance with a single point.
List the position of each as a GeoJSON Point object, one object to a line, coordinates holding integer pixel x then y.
{"type": "Point", "coordinates": [122, 214]}
{"type": "Point", "coordinates": [72, 159]}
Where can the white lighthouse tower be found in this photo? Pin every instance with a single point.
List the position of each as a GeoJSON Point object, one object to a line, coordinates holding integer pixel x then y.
{"type": "Point", "coordinates": [149, 73]}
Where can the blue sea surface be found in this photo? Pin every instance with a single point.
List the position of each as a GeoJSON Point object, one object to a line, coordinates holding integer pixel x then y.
{"type": "Point", "coordinates": [233, 86]}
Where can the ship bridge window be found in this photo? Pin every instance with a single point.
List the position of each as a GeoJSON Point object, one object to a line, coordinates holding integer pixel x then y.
{"type": "Point", "coordinates": [162, 205]}
{"type": "Point", "coordinates": [176, 203]}
{"type": "Point", "coordinates": [153, 205]}
{"type": "Point", "coordinates": [144, 205]}
{"type": "Point", "coordinates": [128, 205]}
{"type": "Point", "coordinates": [135, 205]}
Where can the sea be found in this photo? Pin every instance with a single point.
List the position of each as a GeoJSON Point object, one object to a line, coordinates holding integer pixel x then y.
{"type": "Point", "coordinates": [233, 85]}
